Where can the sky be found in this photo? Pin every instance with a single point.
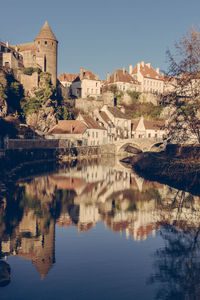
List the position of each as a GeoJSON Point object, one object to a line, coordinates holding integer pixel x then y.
{"type": "Point", "coordinates": [102, 35]}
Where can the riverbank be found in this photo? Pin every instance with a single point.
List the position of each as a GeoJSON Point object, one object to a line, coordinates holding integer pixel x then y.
{"type": "Point", "coordinates": [178, 166]}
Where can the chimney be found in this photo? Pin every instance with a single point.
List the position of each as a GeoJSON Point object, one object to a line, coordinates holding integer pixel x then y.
{"type": "Point", "coordinates": [130, 69]}
{"type": "Point", "coordinates": [148, 65]}
{"type": "Point", "coordinates": [81, 73]}
{"type": "Point", "coordinates": [138, 67]}
{"type": "Point", "coordinates": [108, 77]}
{"type": "Point", "coordinates": [124, 70]}
{"type": "Point", "coordinates": [142, 63]}
{"type": "Point", "coordinates": [7, 45]}
{"type": "Point", "coordinates": [157, 70]}
{"type": "Point", "coordinates": [115, 76]}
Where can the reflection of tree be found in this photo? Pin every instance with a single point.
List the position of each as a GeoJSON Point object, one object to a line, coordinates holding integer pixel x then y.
{"type": "Point", "coordinates": [13, 212]}
{"type": "Point", "coordinates": [177, 265]}
{"type": "Point", "coordinates": [4, 273]}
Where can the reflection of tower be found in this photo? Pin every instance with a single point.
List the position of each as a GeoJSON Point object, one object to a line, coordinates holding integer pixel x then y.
{"type": "Point", "coordinates": [45, 251]}
{"type": "Point", "coordinates": [46, 56]}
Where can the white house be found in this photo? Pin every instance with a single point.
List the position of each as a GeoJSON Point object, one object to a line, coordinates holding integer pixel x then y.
{"type": "Point", "coordinates": [142, 128]}
{"type": "Point", "coordinates": [123, 80]}
{"type": "Point", "coordinates": [86, 84]}
{"type": "Point", "coordinates": [97, 135]}
{"type": "Point", "coordinates": [78, 133]}
{"type": "Point", "coordinates": [151, 80]}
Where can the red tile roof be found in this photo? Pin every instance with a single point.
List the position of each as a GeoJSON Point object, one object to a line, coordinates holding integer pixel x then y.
{"type": "Point", "coordinates": [153, 125]}
{"type": "Point", "coordinates": [90, 122]}
{"type": "Point", "coordinates": [135, 123]}
{"type": "Point", "coordinates": [122, 77]}
{"type": "Point", "coordinates": [68, 126]}
{"type": "Point", "coordinates": [117, 113]}
{"type": "Point", "coordinates": [87, 75]}
{"type": "Point", "coordinates": [148, 72]}
{"type": "Point", "coordinates": [67, 77]}
{"type": "Point", "coordinates": [105, 117]}
{"type": "Point", "coordinates": [25, 47]}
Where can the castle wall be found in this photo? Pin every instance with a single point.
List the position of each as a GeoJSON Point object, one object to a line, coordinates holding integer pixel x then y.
{"type": "Point", "coordinates": [29, 82]}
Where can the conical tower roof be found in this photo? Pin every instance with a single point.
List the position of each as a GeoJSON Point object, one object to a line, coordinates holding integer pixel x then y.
{"type": "Point", "coordinates": [46, 33]}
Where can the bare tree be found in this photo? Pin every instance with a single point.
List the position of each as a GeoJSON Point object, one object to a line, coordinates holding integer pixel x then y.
{"type": "Point", "coordinates": [184, 67]}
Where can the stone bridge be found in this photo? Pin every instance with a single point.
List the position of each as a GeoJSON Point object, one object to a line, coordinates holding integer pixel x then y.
{"type": "Point", "coordinates": [142, 144]}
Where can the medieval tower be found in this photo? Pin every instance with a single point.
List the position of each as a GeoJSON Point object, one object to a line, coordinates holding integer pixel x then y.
{"type": "Point", "coordinates": [46, 56]}
{"type": "Point", "coordinates": [41, 53]}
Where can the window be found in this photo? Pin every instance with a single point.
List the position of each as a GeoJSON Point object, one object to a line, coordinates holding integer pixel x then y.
{"type": "Point", "coordinates": [96, 84]}
{"type": "Point", "coordinates": [92, 134]}
{"type": "Point", "coordinates": [96, 91]}
{"type": "Point", "coordinates": [38, 42]}
{"type": "Point", "coordinates": [96, 134]}
{"type": "Point", "coordinates": [149, 135]}
{"type": "Point", "coordinates": [45, 42]}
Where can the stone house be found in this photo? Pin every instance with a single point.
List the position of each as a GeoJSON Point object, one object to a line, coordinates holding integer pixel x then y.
{"type": "Point", "coordinates": [9, 57]}
{"type": "Point", "coordinates": [122, 122]}
{"type": "Point", "coordinates": [86, 84]}
{"type": "Point", "coordinates": [142, 128]}
{"type": "Point", "coordinates": [151, 80]}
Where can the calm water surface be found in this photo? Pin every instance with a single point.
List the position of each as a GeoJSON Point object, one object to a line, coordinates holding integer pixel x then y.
{"type": "Point", "coordinates": [98, 231]}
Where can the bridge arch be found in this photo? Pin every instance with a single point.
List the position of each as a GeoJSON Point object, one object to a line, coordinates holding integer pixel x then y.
{"type": "Point", "coordinates": [125, 145]}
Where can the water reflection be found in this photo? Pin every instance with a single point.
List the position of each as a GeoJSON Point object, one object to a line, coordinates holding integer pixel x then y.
{"type": "Point", "coordinates": [85, 195]}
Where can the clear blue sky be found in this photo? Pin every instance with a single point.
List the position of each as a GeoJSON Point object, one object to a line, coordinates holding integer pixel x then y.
{"type": "Point", "coordinates": [102, 35]}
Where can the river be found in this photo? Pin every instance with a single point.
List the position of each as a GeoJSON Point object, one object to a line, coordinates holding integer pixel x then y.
{"type": "Point", "coordinates": [98, 231]}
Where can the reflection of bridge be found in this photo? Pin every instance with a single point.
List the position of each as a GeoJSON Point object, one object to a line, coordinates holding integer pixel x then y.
{"type": "Point", "coordinates": [143, 144]}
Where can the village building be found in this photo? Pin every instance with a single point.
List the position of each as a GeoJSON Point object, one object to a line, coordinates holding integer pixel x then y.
{"type": "Point", "coordinates": [142, 128]}
{"type": "Point", "coordinates": [102, 118]}
{"type": "Point", "coordinates": [86, 84]}
{"type": "Point", "coordinates": [120, 120]}
{"type": "Point", "coordinates": [66, 79]}
{"type": "Point", "coordinates": [97, 135]}
{"type": "Point", "coordinates": [72, 131]}
{"type": "Point", "coordinates": [151, 80]}
{"type": "Point", "coordinates": [9, 57]}
{"type": "Point", "coordinates": [123, 80]}
{"type": "Point", "coordinates": [84, 131]}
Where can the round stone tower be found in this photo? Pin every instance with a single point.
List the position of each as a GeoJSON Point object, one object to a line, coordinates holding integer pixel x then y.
{"type": "Point", "coordinates": [46, 55]}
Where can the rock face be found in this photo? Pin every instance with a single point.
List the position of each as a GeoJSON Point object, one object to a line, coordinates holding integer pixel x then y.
{"type": "Point", "coordinates": [42, 120]}
{"type": "Point", "coordinates": [3, 103]}
{"type": "Point", "coordinates": [3, 107]}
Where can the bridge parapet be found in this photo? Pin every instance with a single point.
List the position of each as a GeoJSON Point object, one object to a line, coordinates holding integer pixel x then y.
{"type": "Point", "coordinates": [143, 144]}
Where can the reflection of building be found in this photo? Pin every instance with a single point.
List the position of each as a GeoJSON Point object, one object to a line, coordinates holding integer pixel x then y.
{"type": "Point", "coordinates": [33, 240]}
